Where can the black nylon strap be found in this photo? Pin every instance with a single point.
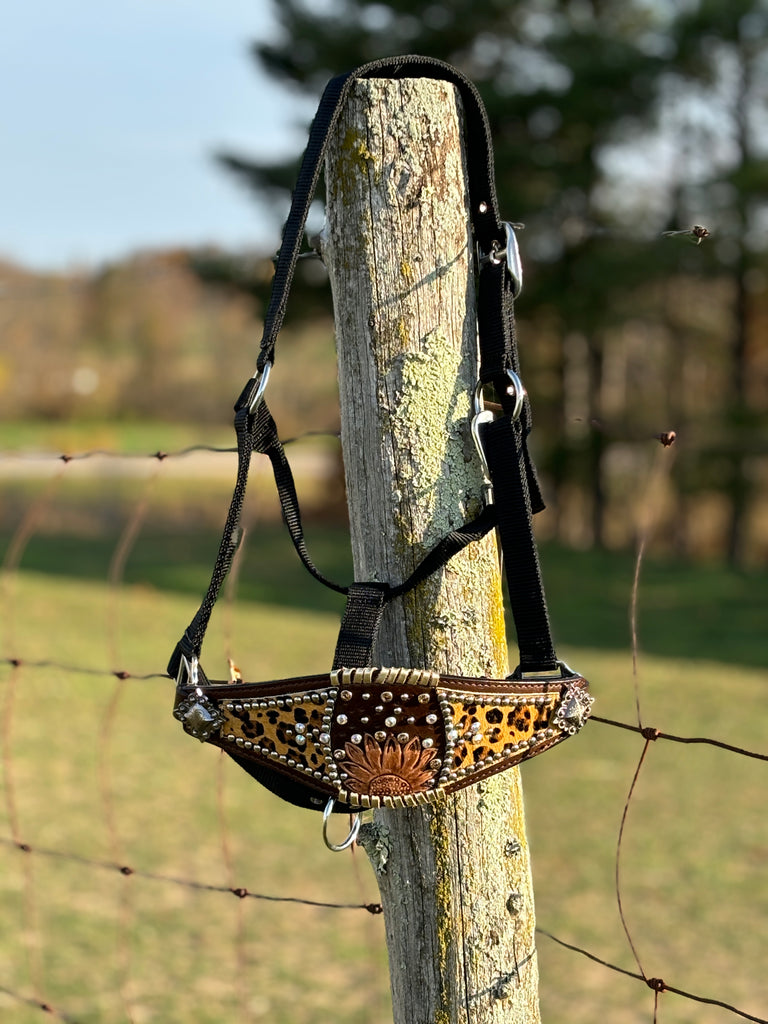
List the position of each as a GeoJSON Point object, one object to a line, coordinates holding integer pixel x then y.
{"type": "Point", "coordinates": [445, 549]}
{"type": "Point", "coordinates": [360, 625]}
{"type": "Point", "coordinates": [482, 186]}
{"type": "Point", "coordinates": [515, 499]}
{"type": "Point", "coordinates": [504, 452]}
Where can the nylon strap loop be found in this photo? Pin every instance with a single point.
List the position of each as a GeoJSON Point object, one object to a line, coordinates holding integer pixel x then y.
{"type": "Point", "coordinates": [360, 625]}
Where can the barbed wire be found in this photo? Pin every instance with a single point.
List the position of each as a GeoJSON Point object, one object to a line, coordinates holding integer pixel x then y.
{"type": "Point", "coordinates": [119, 677]}
{"type": "Point", "coordinates": [188, 883]}
{"type": "Point", "coordinates": [159, 455]}
{"type": "Point", "coordinates": [647, 732]}
{"type": "Point", "coordinates": [657, 985]}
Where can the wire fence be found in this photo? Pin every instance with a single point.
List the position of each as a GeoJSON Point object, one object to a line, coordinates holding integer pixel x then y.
{"type": "Point", "coordinates": [23, 851]}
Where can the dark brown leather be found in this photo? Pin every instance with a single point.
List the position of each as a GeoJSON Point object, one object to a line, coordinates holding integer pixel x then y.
{"type": "Point", "coordinates": [373, 737]}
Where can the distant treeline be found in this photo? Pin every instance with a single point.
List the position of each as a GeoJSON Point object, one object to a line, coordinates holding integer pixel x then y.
{"type": "Point", "coordinates": [169, 336]}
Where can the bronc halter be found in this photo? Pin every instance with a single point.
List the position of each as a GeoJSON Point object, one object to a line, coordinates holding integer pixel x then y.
{"type": "Point", "coordinates": [360, 736]}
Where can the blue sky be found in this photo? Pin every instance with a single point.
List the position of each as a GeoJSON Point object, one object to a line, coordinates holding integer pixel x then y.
{"type": "Point", "coordinates": [110, 114]}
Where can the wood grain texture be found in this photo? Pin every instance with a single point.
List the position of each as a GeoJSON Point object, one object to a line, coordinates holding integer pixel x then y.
{"type": "Point", "coordinates": [456, 887]}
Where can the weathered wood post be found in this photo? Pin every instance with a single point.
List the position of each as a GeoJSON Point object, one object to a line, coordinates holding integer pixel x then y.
{"type": "Point", "coordinates": [455, 884]}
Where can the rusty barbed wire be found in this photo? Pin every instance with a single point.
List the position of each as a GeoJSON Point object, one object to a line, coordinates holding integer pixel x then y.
{"type": "Point", "coordinates": [657, 985]}
{"type": "Point", "coordinates": [160, 455]}
{"type": "Point", "coordinates": [656, 734]}
{"type": "Point", "coordinates": [36, 1004]}
{"type": "Point", "coordinates": [188, 883]}
{"type": "Point", "coordinates": [120, 676]}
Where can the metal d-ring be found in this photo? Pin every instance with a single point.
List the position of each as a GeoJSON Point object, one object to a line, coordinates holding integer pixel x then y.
{"type": "Point", "coordinates": [338, 847]}
{"type": "Point", "coordinates": [516, 386]}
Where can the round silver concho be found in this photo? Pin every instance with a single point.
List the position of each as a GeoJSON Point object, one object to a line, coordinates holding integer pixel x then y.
{"type": "Point", "coordinates": [200, 717]}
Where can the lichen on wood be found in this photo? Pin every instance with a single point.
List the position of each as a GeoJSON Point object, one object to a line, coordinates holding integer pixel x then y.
{"type": "Point", "coordinates": [398, 248]}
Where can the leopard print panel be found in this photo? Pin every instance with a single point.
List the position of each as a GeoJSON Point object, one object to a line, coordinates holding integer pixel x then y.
{"type": "Point", "coordinates": [286, 729]}
{"type": "Point", "coordinates": [490, 729]}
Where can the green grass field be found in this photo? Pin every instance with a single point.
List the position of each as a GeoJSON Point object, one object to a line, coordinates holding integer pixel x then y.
{"type": "Point", "coordinates": [98, 768]}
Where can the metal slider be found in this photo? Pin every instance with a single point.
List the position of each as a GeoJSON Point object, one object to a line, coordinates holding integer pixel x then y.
{"type": "Point", "coordinates": [188, 667]}
{"type": "Point", "coordinates": [263, 378]}
{"type": "Point", "coordinates": [509, 252]}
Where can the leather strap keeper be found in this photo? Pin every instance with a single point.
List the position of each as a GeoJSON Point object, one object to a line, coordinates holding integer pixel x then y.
{"type": "Point", "coordinates": [372, 737]}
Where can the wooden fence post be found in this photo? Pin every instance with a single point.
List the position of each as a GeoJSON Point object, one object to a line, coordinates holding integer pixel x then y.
{"type": "Point", "coordinates": [454, 877]}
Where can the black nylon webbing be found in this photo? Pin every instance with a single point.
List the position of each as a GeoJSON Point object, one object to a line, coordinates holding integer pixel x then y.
{"type": "Point", "coordinates": [481, 178]}
{"type": "Point", "coordinates": [360, 625]}
{"type": "Point", "coordinates": [504, 454]}
{"type": "Point", "coordinates": [515, 486]}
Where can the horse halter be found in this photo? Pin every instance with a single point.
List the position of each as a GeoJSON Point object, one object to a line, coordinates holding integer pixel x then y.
{"type": "Point", "coordinates": [360, 736]}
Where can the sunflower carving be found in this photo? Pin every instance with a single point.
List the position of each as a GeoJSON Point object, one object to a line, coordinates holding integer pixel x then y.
{"type": "Point", "coordinates": [387, 769]}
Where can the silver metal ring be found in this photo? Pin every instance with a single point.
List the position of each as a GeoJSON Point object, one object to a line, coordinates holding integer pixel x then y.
{"type": "Point", "coordinates": [338, 847]}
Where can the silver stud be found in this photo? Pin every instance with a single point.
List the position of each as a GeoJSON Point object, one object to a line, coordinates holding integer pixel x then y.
{"type": "Point", "coordinates": [324, 737]}
{"type": "Point", "coordinates": [431, 719]}
{"type": "Point", "coordinates": [435, 764]}
{"type": "Point", "coordinates": [410, 721]}
{"type": "Point", "coordinates": [397, 711]}
{"type": "Point", "coordinates": [300, 727]}
{"type": "Point", "coordinates": [386, 696]}
{"type": "Point", "coordinates": [380, 735]}
{"type": "Point", "coordinates": [365, 720]}
{"type": "Point", "coordinates": [339, 755]}
{"type": "Point", "coordinates": [346, 695]}
{"type": "Point", "coordinates": [379, 708]}
{"type": "Point", "coordinates": [403, 737]}
{"type": "Point", "coordinates": [366, 696]}
{"type": "Point", "coordinates": [356, 737]}
{"type": "Point", "coordinates": [390, 722]}
{"type": "Point", "coordinates": [423, 698]}
{"type": "Point", "coordinates": [427, 743]}
{"type": "Point", "coordinates": [342, 719]}
{"type": "Point", "coordinates": [301, 739]}
{"type": "Point", "coordinates": [404, 697]}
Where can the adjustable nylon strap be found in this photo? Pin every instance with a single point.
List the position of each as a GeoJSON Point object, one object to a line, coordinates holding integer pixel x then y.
{"type": "Point", "coordinates": [504, 452]}
{"type": "Point", "coordinates": [482, 186]}
{"type": "Point", "coordinates": [497, 354]}
{"type": "Point", "coordinates": [360, 625]}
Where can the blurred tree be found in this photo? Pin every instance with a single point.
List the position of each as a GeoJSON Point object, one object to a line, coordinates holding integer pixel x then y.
{"type": "Point", "coordinates": [720, 82]}
{"type": "Point", "coordinates": [595, 107]}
